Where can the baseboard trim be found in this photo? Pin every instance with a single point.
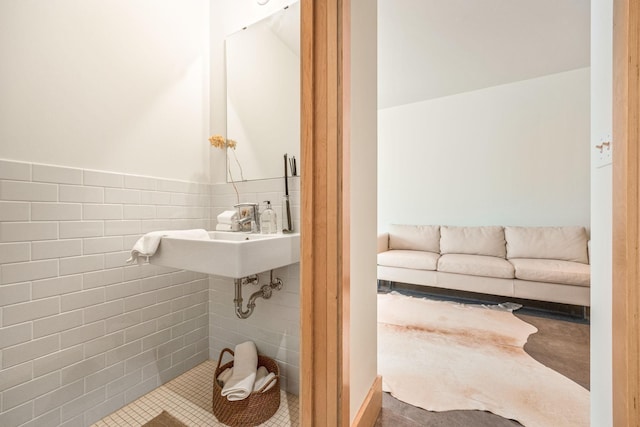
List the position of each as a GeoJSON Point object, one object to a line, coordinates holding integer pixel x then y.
{"type": "Point", "coordinates": [371, 406]}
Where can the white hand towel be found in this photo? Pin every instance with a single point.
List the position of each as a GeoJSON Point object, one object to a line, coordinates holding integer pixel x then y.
{"type": "Point", "coordinates": [245, 365]}
{"type": "Point", "coordinates": [263, 377]}
{"type": "Point", "coordinates": [147, 245]}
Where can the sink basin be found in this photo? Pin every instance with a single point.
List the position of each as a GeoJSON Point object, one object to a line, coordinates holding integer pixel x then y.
{"type": "Point", "coordinates": [229, 254]}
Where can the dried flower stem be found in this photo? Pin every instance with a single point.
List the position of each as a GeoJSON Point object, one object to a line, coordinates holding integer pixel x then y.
{"type": "Point", "coordinates": [232, 181]}
{"type": "Point", "coordinates": [219, 141]}
{"type": "Point", "coordinates": [235, 156]}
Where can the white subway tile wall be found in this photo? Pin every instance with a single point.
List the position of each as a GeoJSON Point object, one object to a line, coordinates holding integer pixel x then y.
{"type": "Point", "coordinates": [82, 334]}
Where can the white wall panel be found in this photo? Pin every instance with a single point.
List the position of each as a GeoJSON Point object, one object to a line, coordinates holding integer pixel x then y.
{"type": "Point", "coordinates": [516, 154]}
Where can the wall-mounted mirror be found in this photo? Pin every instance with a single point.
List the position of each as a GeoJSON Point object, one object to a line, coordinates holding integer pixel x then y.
{"type": "Point", "coordinates": [263, 96]}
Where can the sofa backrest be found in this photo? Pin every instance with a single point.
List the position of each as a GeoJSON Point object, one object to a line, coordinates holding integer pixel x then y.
{"type": "Point", "coordinates": [563, 243]}
{"type": "Point", "coordinates": [415, 237]}
{"type": "Point", "coordinates": [487, 240]}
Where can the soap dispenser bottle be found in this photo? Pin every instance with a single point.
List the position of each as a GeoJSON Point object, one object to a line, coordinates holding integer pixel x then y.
{"type": "Point", "coordinates": [268, 221]}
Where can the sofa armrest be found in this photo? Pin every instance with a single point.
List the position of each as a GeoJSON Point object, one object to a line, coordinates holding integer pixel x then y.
{"type": "Point", "coordinates": [383, 242]}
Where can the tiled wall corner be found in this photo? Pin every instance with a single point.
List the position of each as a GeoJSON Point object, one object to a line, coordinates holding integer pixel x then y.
{"type": "Point", "coordinates": [275, 323]}
{"type": "Point", "coordinates": [81, 333]}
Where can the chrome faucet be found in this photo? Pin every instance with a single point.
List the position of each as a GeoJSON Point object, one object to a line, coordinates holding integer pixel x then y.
{"type": "Point", "coordinates": [253, 217]}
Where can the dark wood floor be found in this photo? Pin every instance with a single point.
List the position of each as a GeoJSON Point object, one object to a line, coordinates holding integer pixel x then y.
{"type": "Point", "coordinates": [561, 343]}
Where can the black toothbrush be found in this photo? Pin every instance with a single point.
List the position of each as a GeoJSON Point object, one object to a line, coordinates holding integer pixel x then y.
{"type": "Point", "coordinates": [286, 198]}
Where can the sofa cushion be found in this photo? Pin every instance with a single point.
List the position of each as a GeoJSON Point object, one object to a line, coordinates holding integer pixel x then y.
{"type": "Point", "coordinates": [487, 240]}
{"type": "Point", "coordinates": [415, 237]}
{"type": "Point", "coordinates": [552, 271]}
{"type": "Point", "coordinates": [562, 243]}
{"type": "Point", "coordinates": [476, 265]}
{"type": "Point", "coordinates": [418, 260]}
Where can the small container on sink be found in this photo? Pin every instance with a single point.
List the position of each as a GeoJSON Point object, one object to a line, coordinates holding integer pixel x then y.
{"type": "Point", "coordinates": [268, 220]}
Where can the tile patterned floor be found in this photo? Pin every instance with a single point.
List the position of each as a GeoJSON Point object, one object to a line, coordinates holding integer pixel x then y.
{"type": "Point", "coordinates": [188, 398]}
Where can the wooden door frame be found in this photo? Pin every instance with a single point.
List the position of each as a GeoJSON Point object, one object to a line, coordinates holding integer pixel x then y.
{"type": "Point", "coordinates": [325, 76]}
{"type": "Point", "coordinates": [626, 213]}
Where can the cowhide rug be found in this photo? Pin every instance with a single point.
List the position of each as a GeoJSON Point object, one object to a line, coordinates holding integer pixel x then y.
{"type": "Point", "coordinates": [442, 356]}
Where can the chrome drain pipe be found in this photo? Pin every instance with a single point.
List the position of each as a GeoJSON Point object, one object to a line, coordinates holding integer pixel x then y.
{"type": "Point", "coordinates": [265, 292]}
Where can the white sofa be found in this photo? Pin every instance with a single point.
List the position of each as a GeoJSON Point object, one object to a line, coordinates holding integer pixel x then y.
{"type": "Point", "coordinates": [536, 263]}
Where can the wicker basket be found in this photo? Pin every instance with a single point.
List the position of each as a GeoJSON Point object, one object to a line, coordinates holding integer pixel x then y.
{"type": "Point", "coordinates": [255, 409]}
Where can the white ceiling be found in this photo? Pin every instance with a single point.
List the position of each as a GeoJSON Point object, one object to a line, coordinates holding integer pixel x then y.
{"type": "Point", "coordinates": [433, 48]}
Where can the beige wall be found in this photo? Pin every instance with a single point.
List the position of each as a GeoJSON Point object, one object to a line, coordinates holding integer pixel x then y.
{"type": "Point", "coordinates": [514, 154]}
{"type": "Point", "coordinates": [118, 86]}
{"type": "Point", "coordinates": [601, 215]}
{"type": "Point", "coordinates": [363, 352]}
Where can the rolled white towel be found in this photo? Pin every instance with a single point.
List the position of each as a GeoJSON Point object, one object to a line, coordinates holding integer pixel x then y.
{"type": "Point", "coordinates": [227, 217]}
{"type": "Point", "coordinates": [147, 245]}
{"type": "Point", "coordinates": [224, 376]}
{"type": "Point", "coordinates": [245, 364]}
{"type": "Point", "coordinates": [263, 377]}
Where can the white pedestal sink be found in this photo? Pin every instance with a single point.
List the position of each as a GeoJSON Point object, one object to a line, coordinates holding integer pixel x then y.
{"type": "Point", "coordinates": [229, 254]}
